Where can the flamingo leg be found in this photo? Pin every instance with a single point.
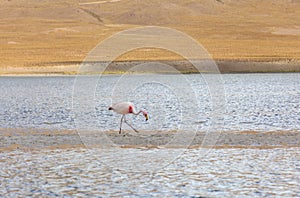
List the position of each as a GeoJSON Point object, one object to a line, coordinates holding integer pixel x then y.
{"type": "Point", "coordinates": [130, 125]}
{"type": "Point", "coordinates": [121, 124]}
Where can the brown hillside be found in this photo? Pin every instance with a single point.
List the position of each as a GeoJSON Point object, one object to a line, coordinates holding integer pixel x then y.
{"type": "Point", "coordinates": [40, 33]}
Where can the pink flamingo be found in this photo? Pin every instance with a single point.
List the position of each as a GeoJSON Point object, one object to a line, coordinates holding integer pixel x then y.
{"type": "Point", "coordinates": [126, 108]}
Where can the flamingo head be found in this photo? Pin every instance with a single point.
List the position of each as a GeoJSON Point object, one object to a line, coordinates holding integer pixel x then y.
{"type": "Point", "coordinates": [145, 114]}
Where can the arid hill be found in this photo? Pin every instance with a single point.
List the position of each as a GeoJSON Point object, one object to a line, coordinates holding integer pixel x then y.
{"type": "Point", "coordinates": [48, 34]}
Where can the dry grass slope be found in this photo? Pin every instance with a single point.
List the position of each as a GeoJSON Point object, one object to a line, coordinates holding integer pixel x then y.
{"type": "Point", "coordinates": [53, 36]}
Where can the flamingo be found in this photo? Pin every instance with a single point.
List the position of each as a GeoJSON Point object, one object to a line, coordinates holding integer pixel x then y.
{"type": "Point", "coordinates": [126, 108]}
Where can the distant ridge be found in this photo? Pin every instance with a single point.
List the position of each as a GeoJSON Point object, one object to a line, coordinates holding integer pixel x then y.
{"type": "Point", "coordinates": [34, 32]}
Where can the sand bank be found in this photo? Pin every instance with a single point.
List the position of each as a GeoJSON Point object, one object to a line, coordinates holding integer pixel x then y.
{"type": "Point", "coordinates": [182, 66]}
{"type": "Point", "coordinates": [12, 139]}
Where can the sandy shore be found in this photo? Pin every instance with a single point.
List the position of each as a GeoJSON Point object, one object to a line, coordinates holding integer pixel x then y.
{"type": "Point", "coordinates": [12, 139]}
{"type": "Point", "coordinates": [119, 67]}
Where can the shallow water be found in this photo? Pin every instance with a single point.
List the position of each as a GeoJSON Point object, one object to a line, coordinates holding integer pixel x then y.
{"type": "Point", "coordinates": [263, 102]}
{"type": "Point", "coordinates": [218, 173]}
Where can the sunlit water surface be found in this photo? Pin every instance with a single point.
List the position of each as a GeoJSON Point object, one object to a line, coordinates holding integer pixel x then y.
{"type": "Point", "coordinates": [221, 173]}
{"type": "Point", "coordinates": [260, 102]}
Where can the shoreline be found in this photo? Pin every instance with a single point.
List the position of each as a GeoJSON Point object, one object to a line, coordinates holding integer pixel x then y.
{"type": "Point", "coordinates": [36, 139]}
{"type": "Point", "coordinates": [182, 66]}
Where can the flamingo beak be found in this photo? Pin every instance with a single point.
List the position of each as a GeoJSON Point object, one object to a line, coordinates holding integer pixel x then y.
{"type": "Point", "coordinates": [146, 116]}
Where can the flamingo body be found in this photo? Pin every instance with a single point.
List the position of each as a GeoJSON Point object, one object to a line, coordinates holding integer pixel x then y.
{"type": "Point", "coordinates": [122, 108]}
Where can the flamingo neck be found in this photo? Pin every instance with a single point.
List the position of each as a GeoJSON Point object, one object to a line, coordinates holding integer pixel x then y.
{"type": "Point", "coordinates": [137, 113]}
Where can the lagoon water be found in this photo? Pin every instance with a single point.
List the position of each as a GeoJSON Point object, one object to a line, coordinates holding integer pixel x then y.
{"type": "Point", "coordinates": [255, 102]}
{"type": "Point", "coordinates": [261, 102]}
{"type": "Point", "coordinates": [221, 173]}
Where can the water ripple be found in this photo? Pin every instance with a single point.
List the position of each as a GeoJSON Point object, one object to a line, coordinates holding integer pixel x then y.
{"type": "Point", "coordinates": [221, 173]}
